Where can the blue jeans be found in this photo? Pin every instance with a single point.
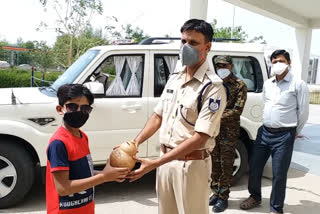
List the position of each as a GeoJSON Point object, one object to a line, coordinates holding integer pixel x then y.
{"type": "Point", "coordinates": [280, 146]}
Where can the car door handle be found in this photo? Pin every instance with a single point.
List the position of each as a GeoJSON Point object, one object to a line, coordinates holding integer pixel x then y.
{"type": "Point", "coordinates": [131, 108]}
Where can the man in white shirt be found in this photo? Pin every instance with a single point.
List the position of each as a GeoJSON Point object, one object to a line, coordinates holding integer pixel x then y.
{"type": "Point", "coordinates": [286, 110]}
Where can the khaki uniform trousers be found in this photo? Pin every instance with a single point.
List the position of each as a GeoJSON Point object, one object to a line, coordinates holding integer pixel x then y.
{"type": "Point", "coordinates": [183, 187]}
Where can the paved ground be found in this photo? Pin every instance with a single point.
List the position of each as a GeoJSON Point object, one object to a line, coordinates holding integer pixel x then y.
{"type": "Point", "coordinates": [306, 155]}
{"type": "Point", "coordinates": [303, 189]}
{"type": "Point", "coordinates": [303, 196]}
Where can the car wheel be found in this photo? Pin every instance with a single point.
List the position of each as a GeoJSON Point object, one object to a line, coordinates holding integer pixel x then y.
{"type": "Point", "coordinates": [16, 173]}
{"type": "Point", "coordinates": [240, 164]}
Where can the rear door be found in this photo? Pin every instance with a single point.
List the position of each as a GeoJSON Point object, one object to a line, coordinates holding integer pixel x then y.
{"type": "Point", "coordinates": [249, 68]}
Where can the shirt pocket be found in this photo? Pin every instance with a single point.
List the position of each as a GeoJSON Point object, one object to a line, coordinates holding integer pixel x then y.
{"type": "Point", "coordinates": [287, 97]}
{"type": "Point", "coordinates": [168, 99]}
{"type": "Point", "coordinates": [188, 112]}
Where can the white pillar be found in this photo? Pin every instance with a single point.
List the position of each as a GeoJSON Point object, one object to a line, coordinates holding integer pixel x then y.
{"type": "Point", "coordinates": [198, 9]}
{"type": "Point", "coordinates": [301, 53]}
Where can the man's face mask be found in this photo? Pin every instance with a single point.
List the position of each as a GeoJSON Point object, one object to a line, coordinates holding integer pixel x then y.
{"type": "Point", "coordinates": [278, 68]}
{"type": "Point", "coordinates": [223, 72]}
{"type": "Point", "coordinates": [189, 55]}
{"type": "Point", "coordinates": [75, 118]}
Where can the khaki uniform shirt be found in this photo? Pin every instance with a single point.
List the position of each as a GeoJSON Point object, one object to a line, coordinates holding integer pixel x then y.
{"type": "Point", "coordinates": [178, 107]}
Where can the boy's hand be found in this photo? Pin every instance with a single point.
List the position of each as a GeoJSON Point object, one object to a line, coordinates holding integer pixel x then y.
{"type": "Point", "coordinates": [114, 173]}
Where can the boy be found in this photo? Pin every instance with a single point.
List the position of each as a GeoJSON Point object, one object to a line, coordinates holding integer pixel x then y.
{"type": "Point", "coordinates": [70, 177]}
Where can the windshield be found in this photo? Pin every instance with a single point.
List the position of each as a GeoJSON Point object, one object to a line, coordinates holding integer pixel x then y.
{"type": "Point", "coordinates": [76, 69]}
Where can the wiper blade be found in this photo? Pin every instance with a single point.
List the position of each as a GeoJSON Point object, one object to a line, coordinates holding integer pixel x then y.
{"type": "Point", "coordinates": [52, 89]}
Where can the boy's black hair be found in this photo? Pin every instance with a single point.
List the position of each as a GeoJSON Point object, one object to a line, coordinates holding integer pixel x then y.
{"type": "Point", "coordinates": [280, 52]}
{"type": "Point", "coordinates": [70, 91]}
{"type": "Point", "coordinates": [200, 26]}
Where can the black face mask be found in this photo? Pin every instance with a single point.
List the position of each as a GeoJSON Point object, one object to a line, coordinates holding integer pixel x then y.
{"type": "Point", "coordinates": [75, 119]}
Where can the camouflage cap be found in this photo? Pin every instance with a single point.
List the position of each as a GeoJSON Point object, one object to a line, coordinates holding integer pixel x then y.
{"type": "Point", "coordinates": [223, 59]}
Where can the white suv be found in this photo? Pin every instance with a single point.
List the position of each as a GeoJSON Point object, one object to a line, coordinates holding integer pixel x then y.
{"type": "Point", "coordinates": [123, 103]}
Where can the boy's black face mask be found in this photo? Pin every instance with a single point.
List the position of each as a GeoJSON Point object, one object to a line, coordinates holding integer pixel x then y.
{"type": "Point", "coordinates": [75, 119]}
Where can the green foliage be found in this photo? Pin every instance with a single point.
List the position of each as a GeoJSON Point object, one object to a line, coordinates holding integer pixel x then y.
{"type": "Point", "coordinates": [60, 50]}
{"type": "Point", "coordinates": [24, 57]}
{"type": "Point", "coordinates": [43, 56]}
{"type": "Point", "coordinates": [229, 32]}
{"type": "Point", "coordinates": [136, 34]}
{"type": "Point", "coordinates": [86, 40]}
{"type": "Point", "coordinates": [109, 67]}
{"type": "Point", "coordinates": [4, 54]}
{"type": "Point", "coordinates": [236, 32]}
{"type": "Point", "coordinates": [20, 78]}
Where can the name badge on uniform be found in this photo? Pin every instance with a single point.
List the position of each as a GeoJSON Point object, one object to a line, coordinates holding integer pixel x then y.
{"type": "Point", "coordinates": [214, 105]}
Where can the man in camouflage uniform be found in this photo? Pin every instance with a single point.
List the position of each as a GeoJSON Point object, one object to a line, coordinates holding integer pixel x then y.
{"type": "Point", "coordinates": [223, 154]}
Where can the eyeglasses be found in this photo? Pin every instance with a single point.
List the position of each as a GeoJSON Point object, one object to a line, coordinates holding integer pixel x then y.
{"type": "Point", "coordinates": [74, 107]}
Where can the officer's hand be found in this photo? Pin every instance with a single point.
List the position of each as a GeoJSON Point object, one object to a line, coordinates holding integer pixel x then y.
{"type": "Point", "coordinates": [146, 166]}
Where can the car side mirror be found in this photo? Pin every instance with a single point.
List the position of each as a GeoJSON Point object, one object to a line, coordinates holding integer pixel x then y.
{"type": "Point", "coordinates": [95, 87]}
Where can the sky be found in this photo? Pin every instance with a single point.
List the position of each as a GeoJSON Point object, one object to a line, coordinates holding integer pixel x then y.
{"type": "Point", "coordinates": [20, 18]}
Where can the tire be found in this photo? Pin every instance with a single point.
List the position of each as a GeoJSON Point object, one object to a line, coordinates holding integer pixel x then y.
{"type": "Point", "coordinates": [240, 165]}
{"type": "Point", "coordinates": [17, 173]}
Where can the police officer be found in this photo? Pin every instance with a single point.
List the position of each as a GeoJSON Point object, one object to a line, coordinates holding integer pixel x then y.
{"type": "Point", "coordinates": [286, 110]}
{"type": "Point", "coordinates": [223, 154]}
{"type": "Point", "coordinates": [188, 115]}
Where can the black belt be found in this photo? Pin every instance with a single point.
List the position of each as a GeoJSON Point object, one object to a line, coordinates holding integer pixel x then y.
{"type": "Point", "coordinates": [281, 129]}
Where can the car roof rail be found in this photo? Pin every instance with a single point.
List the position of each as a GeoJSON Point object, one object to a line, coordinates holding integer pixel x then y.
{"type": "Point", "coordinates": [157, 40]}
{"type": "Point", "coordinates": [224, 39]}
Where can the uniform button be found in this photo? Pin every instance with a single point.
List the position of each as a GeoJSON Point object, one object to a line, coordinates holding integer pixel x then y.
{"type": "Point", "coordinates": [172, 117]}
{"type": "Point", "coordinates": [168, 132]}
{"type": "Point", "coordinates": [178, 101]}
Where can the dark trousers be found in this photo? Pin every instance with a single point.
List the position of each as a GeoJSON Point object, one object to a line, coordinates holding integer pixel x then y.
{"type": "Point", "coordinates": [280, 146]}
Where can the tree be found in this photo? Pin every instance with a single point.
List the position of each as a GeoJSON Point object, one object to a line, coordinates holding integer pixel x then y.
{"type": "Point", "coordinates": [126, 32]}
{"type": "Point", "coordinates": [136, 34]}
{"type": "Point", "coordinates": [111, 32]}
{"type": "Point", "coordinates": [61, 50]}
{"type": "Point", "coordinates": [229, 32]}
{"type": "Point", "coordinates": [234, 33]}
{"type": "Point", "coordinates": [87, 39]}
{"type": "Point", "coordinates": [24, 57]}
{"type": "Point", "coordinates": [4, 55]}
{"type": "Point", "coordinates": [42, 55]}
{"type": "Point", "coordinates": [73, 17]}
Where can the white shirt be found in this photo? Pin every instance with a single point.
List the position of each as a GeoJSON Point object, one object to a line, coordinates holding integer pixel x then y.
{"type": "Point", "coordinates": [286, 103]}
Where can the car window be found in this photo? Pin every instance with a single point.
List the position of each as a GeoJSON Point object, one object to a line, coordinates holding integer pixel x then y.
{"type": "Point", "coordinates": [76, 69]}
{"type": "Point", "coordinates": [164, 65]}
{"type": "Point", "coordinates": [121, 75]}
{"type": "Point", "coordinates": [247, 69]}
